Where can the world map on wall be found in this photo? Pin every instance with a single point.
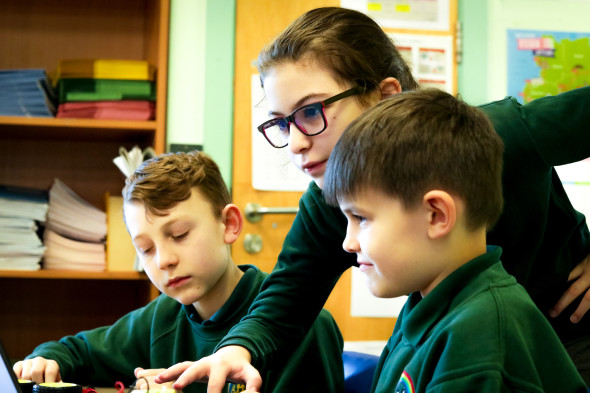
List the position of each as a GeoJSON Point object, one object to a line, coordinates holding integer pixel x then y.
{"type": "Point", "coordinates": [542, 63]}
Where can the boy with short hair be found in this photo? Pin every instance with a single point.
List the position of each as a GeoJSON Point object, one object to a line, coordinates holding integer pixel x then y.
{"type": "Point", "coordinates": [179, 214]}
{"type": "Point", "coordinates": [419, 179]}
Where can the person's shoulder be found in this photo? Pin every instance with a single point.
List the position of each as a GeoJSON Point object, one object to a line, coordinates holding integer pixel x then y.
{"type": "Point", "coordinates": [493, 107]}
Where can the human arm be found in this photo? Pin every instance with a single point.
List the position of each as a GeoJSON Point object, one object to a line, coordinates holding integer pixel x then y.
{"type": "Point", "coordinates": [560, 130]}
{"type": "Point", "coordinates": [558, 125]}
{"type": "Point", "coordinates": [37, 370]}
{"type": "Point", "coordinates": [103, 355]}
{"type": "Point", "coordinates": [542, 235]}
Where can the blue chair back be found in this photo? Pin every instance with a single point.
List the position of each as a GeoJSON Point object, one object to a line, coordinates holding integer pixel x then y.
{"type": "Point", "coordinates": [359, 369]}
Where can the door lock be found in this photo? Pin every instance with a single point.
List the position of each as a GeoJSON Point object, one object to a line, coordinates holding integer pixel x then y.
{"type": "Point", "coordinates": [252, 243]}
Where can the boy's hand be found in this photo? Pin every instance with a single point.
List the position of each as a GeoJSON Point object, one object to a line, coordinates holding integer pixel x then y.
{"type": "Point", "coordinates": [37, 370]}
{"type": "Point", "coordinates": [231, 363]}
{"type": "Point", "coordinates": [581, 275]}
{"type": "Point", "coordinates": [145, 379]}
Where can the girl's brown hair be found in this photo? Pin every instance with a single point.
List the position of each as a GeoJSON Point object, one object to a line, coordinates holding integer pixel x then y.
{"type": "Point", "coordinates": [349, 43]}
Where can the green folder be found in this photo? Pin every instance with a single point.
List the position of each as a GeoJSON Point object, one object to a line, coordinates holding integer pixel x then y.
{"type": "Point", "coordinates": [105, 89]}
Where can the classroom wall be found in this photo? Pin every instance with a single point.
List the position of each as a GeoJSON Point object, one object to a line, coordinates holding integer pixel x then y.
{"type": "Point", "coordinates": [201, 69]}
{"type": "Point", "coordinates": [200, 102]}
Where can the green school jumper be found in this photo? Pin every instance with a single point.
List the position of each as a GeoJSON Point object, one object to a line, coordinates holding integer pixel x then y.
{"type": "Point", "coordinates": [165, 332]}
{"type": "Point", "coordinates": [541, 234]}
{"type": "Point", "coordinates": [477, 331]}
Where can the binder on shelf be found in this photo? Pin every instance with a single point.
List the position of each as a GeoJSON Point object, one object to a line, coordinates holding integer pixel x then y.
{"type": "Point", "coordinates": [106, 89]}
{"type": "Point", "coordinates": [120, 110]}
{"type": "Point", "coordinates": [105, 69]}
{"type": "Point", "coordinates": [26, 92]}
{"type": "Point", "coordinates": [90, 89]}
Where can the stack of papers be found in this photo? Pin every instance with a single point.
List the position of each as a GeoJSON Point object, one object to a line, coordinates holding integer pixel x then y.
{"type": "Point", "coordinates": [75, 232]}
{"type": "Point", "coordinates": [106, 89]}
{"type": "Point", "coordinates": [26, 92]}
{"type": "Point", "coordinates": [21, 209]}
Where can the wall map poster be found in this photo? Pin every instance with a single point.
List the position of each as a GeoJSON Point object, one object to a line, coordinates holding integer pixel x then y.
{"type": "Point", "coordinates": [544, 63]}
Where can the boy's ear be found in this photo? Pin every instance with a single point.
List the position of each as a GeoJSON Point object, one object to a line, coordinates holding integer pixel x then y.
{"type": "Point", "coordinates": [389, 86]}
{"type": "Point", "coordinates": [233, 221]}
{"type": "Point", "coordinates": [442, 211]}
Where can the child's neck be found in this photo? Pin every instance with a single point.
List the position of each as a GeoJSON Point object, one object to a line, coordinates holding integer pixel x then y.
{"type": "Point", "coordinates": [455, 251]}
{"type": "Point", "coordinates": [220, 293]}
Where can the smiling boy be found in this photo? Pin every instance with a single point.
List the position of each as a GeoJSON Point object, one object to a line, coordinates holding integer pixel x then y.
{"type": "Point", "coordinates": [181, 220]}
{"type": "Point", "coordinates": [418, 178]}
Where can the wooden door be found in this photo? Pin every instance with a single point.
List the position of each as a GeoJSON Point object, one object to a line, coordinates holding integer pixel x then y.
{"type": "Point", "coordinates": [257, 22]}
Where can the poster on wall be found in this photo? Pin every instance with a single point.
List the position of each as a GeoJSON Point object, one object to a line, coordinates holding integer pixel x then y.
{"type": "Point", "coordinates": [405, 14]}
{"type": "Point", "coordinates": [544, 63]}
{"type": "Point", "coordinates": [430, 58]}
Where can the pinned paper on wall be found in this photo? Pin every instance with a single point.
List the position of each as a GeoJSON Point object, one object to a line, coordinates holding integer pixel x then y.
{"type": "Point", "coordinates": [405, 14]}
{"type": "Point", "coordinates": [430, 59]}
{"type": "Point", "coordinates": [271, 168]}
{"type": "Point", "coordinates": [364, 304]}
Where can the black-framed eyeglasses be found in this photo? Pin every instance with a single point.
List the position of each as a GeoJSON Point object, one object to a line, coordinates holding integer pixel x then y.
{"type": "Point", "coordinates": [309, 119]}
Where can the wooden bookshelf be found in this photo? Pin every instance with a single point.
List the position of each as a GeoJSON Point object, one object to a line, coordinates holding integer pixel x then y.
{"type": "Point", "coordinates": [37, 306]}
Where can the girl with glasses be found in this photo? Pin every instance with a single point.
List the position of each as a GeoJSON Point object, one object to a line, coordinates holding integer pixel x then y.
{"type": "Point", "coordinates": [545, 241]}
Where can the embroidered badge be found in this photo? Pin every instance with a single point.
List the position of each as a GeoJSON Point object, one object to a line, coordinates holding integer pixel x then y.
{"type": "Point", "coordinates": [405, 384]}
{"type": "Point", "coordinates": [235, 387]}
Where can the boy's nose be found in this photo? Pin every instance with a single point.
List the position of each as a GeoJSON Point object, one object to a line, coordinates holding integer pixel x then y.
{"type": "Point", "coordinates": [298, 141]}
{"type": "Point", "coordinates": [350, 244]}
{"type": "Point", "coordinates": [166, 258]}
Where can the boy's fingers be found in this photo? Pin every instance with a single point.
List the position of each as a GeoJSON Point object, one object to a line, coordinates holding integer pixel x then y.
{"type": "Point", "coordinates": [172, 373]}
{"type": "Point", "coordinates": [18, 369]}
{"type": "Point", "coordinates": [52, 372]}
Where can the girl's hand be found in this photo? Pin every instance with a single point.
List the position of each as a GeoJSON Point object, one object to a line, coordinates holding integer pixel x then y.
{"type": "Point", "coordinates": [231, 363]}
{"type": "Point", "coordinates": [581, 276]}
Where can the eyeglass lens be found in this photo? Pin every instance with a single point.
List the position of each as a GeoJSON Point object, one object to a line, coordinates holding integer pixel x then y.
{"type": "Point", "coordinates": [309, 119]}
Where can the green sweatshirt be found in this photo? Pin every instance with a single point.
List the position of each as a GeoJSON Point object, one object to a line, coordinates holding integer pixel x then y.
{"type": "Point", "coordinates": [541, 234]}
{"type": "Point", "coordinates": [477, 331]}
{"type": "Point", "coordinates": [165, 332]}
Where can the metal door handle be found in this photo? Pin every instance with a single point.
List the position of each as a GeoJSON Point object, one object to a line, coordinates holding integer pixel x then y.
{"type": "Point", "coordinates": [254, 211]}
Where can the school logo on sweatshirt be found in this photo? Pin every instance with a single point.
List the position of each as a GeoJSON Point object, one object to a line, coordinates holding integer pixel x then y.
{"type": "Point", "coordinates": [405, 384]}
{"type": "Point", "coordinates": [235, 387]}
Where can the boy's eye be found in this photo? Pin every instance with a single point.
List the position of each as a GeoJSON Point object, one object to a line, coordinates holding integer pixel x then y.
{"type": "Point", "coordinates": [359, 219]}
{"type": "Point", "coordinates": [180, 236]}
{"type": "Point", "coordinates": [145, 251]}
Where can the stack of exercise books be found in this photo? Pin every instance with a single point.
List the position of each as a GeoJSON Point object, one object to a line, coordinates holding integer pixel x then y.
{"type": "Point", "coordinates": [105, 89]}
{"type": "Point", "coordinates": [26, 92]}
{"type": "Point", "coordinates": [22, 211]}
{"type": "Point", "coordinates": [75, 232]}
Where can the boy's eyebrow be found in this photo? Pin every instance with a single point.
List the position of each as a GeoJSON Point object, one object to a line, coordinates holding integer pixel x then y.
{"type": "Point", "coordinates": [299, 103]}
